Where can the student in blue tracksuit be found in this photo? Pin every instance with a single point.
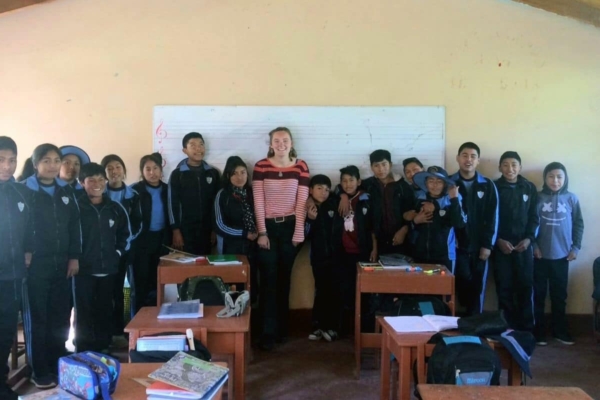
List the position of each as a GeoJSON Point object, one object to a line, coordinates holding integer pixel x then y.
{"type": "Point", "coordinates": [234, 217]}
{"type": "Point", "coordinates": [73, 158]}
{"type": "Point", "coordinates": [439, 213]}
{"type": "Point", "coordinates": [105, 232]}
{"type": "Point", "coordinates": [477, 238]}
{"type": "Point", "coordinates": [16, 234]}
{"type": "Point", "coordinates": [513, 253]}
{"type": "Point", "coordinates": [193, 186]}
{"type": "Point", "coordinates": [156, 232]}
{"type": "Point", "coordinates": [118, 191]}
{"type": "Point", "coordinates": [57, 248]}
{"type": "Point", "coordinates": [557, 243]}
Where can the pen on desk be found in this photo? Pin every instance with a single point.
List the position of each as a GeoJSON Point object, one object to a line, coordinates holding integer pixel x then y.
{"type": "Point", "coordinates": [433, 271]}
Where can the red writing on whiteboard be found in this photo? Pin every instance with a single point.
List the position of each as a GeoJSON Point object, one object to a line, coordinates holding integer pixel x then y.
{"type": "Point", "coordinates": [160, 133]}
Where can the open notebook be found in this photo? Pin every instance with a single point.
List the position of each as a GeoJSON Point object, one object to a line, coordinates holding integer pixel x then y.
{"type": "Point", "coordinates": [427, 323]}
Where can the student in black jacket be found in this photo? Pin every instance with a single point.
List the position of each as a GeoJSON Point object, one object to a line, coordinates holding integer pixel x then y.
{"type": "Point", "coordinates": [475, 241]}
{"type": "Point", "coordinates": [513, 253]}
{"type": "Point", "coordinates": [16, 233]}
{"type": "Point", "coordinates": [57, 248]}
{"type": "Point", "coordinates": [118, 191]}
{"type": "Point", "coordinates": [193, 186]}
{"type": "Point", "coordinates": [319, 229]}
{"type": "Point", "coordinates": [234, 217]}
{"type": "Point", "coordinates": [156, 232]}
{"type": "Point", "coordinates": [105, 231]}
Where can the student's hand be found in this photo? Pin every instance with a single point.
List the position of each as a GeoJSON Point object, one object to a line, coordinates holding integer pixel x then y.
{"type": "Point", "coordinates": [310, 202]}
{"type": "Point", "coordinates": [344, 206]}
{"type": "Point", "coordinates": [373, 255]}
{"type": "Point", "coordinates": [399, 236]}
{"type": "Point", "coordinates": [72, 268]}
{"type": "Point", "coordinates": [409, 215]}
{"type": "Point", "coordinates": [427, 206]}
{"type": "Point", "coordinates": [572, 256]}
{"type": "Point", "coordinates": [177, 239]}
{"type": "Point", "coordinates": [537, 253]}
{"type": "Point", "coordinates": [522, 245]}
{"type": "Point", "coordinates": [295, 243]}
{"type": "Point", "coordinates": [505, 246]}
{"type": "Point", "coordinates": [27, 260]}
{"type": "Point", "coordinates": [423, 217]}
{"type": "Point", "coordinates": [312, 212]}
{"type": "Point", "coordinates": [484, 253]}
{"type": "Point", "coordinates": [252, 236]}
{"type": "Point", "coordinates": [263, 242]}
{"type": "Point", "coordinates": [453, 191]}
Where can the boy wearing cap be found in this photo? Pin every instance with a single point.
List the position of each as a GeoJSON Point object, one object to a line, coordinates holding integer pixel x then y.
{"type": "Point", "coordinates": [16, 234]}
{"type": "Point", "coordinates": [476, 239]}
{"type": "Point", "coordinates": [193, 186]}
{"type": "Point", "coordinates": [73, 158]}
{"type": "Point", "coordinates": [439, 212]}
{"type": "Point", "coordinates": [513, 253]}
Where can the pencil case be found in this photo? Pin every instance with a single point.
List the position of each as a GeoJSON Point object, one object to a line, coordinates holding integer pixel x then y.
{"type": "Point", "coordinates": [89, 375]}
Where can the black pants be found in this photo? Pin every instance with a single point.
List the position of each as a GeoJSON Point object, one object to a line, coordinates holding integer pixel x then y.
{"type": "Point", "coordinates": [196, 238]}
{"type": "Point", "coordinates": [324, 309]}
{"type": "Point", "coordinates": [46, 319]}
{"type": "Point", "coordinates": [119, 296]}
{"type": "Point", "coordinates": [514, 284]}
{"type": "Point", "coordinates": [344, 282]}
{"type": "Point", "coordinates": [553, 274]}
{"type": "Point", "coordinates": [471, 275]}
{"type": "Point", "coordinates": [275, 265]}
{"type": "Point", "coordinates": [10, 303]}
{"type": "Point", "coordinates": [93, 308]}
{"type": "Point", "coordinates": [248, 248]}
{"type": "Point", "coordinates": [148, 250]}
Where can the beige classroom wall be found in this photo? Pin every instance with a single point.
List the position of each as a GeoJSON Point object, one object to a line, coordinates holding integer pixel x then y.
{"type": "Point", "coordinates": [88, 72]}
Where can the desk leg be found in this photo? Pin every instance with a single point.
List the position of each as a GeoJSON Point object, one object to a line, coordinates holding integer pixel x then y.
{"type": "Point", "coordinates": [160, 293]}
{"type": "Point", "coordinates": [385, 367]}
{"type": "Point", "coordinates": [404, 372]}
{"type": "Point", "coordinates": [357, 339]}
{"type": "Point", "coordinates": [514, 373]}
{"type": "Point", "coordinates": [239, 367]}
{"type": "Point", "coordinates": [133, 337]}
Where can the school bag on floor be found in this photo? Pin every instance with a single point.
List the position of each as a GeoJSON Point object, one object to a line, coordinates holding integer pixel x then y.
{"type": "Point", "coordinates": [462, 360]}
{"type": "Point", "coordinates": [209, 289]}
{"type": "Point", "coordinates": [89, 375]}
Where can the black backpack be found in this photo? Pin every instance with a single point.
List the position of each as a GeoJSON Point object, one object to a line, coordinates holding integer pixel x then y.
{"type": "Point", "coordinates": [160, 356]}
{"type": "Point", "coordinates": [462, 360]}
{"type": "Point", "coordinates": [210, 290]}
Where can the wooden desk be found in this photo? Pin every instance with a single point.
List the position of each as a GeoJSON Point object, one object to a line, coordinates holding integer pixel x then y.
{"type": "Point", "coordinates": [173, 272]}
{"type": "Point", "coordinates": [224, 336]}
{"type": "Point", "coordinates": [401, 282]}
{"type": "Point", "coordinates": [128, 389]}
{"type": "Point", "coordinates": [408, 347]}
{"type": "Point", "coordinates": [451, 392]}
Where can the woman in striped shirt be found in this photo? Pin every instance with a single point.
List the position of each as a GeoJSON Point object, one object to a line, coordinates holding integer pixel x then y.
{"type": "Point", "coordinates": [280, 185]}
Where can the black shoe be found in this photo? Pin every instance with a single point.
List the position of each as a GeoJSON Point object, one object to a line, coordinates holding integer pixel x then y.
{"type": "Point", "coordinates": [565, 338]}
{"type": "Point", "coordinates": [44, 382]}
{"type": "Point", "coordinates": [267, 343]}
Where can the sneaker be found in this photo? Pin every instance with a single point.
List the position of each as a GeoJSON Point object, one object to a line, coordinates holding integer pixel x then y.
{"type": "Point", "coordinates": [330, 335]}
{"type": "Point", "coordinates": [565, 339]}
{"type": "Point", "coordinates": [541, 342]}
{"type": "Point", "coordinates": [44, 382]}
{"type": "Point", "coordinates": [316, 335]}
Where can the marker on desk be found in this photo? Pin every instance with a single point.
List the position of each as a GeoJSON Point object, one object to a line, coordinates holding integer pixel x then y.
{"type": "Point", "coordinates": [414, 269]}
{"type": "Point", "coordinates": [433, 271]}
{"type": "Point", "coordinates": [190, 338]}
{"type": "Point", "coordinates": [368, 269]}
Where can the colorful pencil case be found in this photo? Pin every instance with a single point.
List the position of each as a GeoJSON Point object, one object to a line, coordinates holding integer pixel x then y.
{"type": "Point", "coordinates": [89, 375]}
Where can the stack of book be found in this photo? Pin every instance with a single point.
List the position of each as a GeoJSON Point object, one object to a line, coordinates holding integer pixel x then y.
{"type": "Point", "coordinates": [162, 343]}
{"type": "Point", "coordinates": [181, 309]}
{"type": "Point", "coordinates": [223, 259]}
{"type": "Point", "coordinates": [394, 261]}
{"type": "Point", "coordinates": [185, 377]}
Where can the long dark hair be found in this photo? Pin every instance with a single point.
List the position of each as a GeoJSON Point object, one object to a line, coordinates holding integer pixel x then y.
{"type": "Point", "coordinates": [271, 152]}
{"type": "Point", "coordinates": [154, 157]}
{"type": "Point", "coordinates": [27, 170]}
{"type": "Point", "coordinates": [43, 149]}
{"type": "Point", "coordinates": [232, 163]}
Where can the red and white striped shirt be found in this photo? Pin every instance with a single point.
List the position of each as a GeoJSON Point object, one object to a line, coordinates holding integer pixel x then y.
{"type": "Point", "coordinates": [280, 192]}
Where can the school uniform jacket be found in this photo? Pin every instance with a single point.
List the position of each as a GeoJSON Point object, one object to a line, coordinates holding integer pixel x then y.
{"type": "Point", "coordinates": [518, 216]}
{"type": "Point", "coordinates": [145, 202]}
{"type": "Point", "coordinates": [404, 198]}
{"type": "Point", "coordinates": [130, 200]}
{"type": "Point", "coordinates": [16, 232]}
{"type": "Point", "coordinates": [229, 221]}
{"type": "Point", "coordinates": [482, 213]}
{"type": "Point", "coordinates": [321, 233]}
{"type": "Point", "coordinates": [106, 236]}
{"type": "Point", "coordinates": [57, 233]}
{"type": "Point", "coordinates": [364, 225]}
{"type": "Point", "coordinates": [191, 194]}
{"type": "Point", "coordinates": [437, 240]}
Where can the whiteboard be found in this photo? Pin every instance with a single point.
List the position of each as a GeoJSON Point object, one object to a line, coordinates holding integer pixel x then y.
{"type": "Point", "coordinates": [327, 138]}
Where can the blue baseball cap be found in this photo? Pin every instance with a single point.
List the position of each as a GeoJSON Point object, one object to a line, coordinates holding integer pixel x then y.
{"type": "Point", "coordinates": [77, 151]}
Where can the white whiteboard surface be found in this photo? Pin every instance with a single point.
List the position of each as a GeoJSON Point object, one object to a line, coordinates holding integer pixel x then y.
{"type": "Point", "coordinates": [327, 138]}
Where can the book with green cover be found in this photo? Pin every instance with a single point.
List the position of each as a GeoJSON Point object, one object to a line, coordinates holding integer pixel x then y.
{"type": "Point", "coordinates": [191, 373]}
{"type": "Point", "coordinates": [223, 259]}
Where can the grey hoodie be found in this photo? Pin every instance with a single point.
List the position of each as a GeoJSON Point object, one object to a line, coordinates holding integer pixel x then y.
{"type": "Point", "coordinates": [561, 222]}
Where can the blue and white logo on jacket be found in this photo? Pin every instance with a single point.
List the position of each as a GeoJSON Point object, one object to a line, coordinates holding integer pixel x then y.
{"type": "Point", "coordinates": [65, 199]}
{"type": "Point", "coordinates": [21, 206]}
{"type": "Point", "coordinates": [111, 223]}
